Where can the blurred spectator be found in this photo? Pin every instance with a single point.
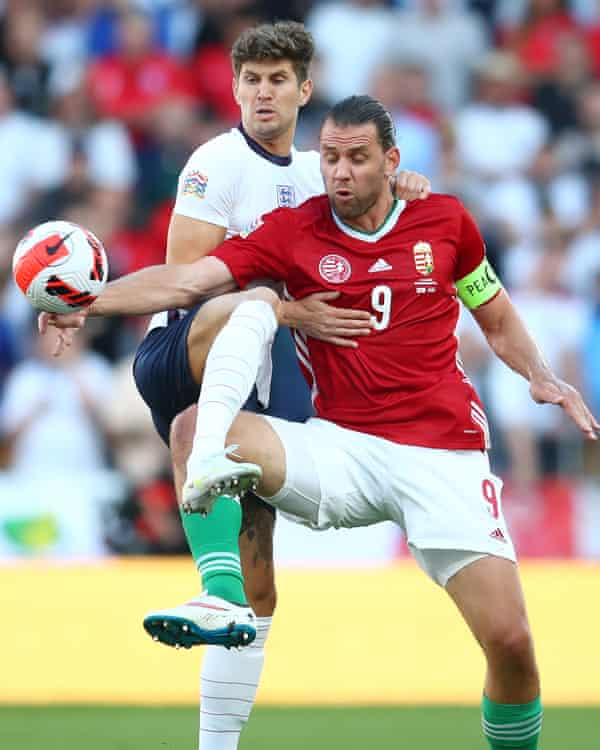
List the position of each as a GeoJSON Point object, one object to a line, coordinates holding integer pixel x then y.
{"type": "Point", "coordinates": [555, 95]}
{"type": "Point", "coordinates": [21, 30]}
{"type": "Point", "coordinates": [447, 40]}
{"type": "Point", "coordinates": [536, 39]}
{"type": "Point", "coordinates": [352, 39]}
{"type": "Point", "coordinates": [498, 139]}
{"type": "Point", "coordinates": [131, 83]}
{"type": "Point", "coordinates": [15, 310]}
{"type": "Point", "coordinates": [579, 148]}
{"type": "Point", "coordinates": [592, 34]}
{"type": "Point", "coordinates": [148, 519]}
{"type": "Point", "coordinates": [101, 152]}
{"type": "Point", "coordinates": [591, 346]}
{"type": "Point", "coordinates": [404, 89]}
{"type": "Point", "coordinates": [64, 41]}
{"type": "Point", "coordinates": [51, 413]}
{"type": "Point", "coordinates": [583, 259]}
{"type": "Point", "coordinates": [211, 66]}
{"type": "Point", "coordinates": [313, 113]}
{"type": "Point", "coordinates": [557, 321]}
{"type": "Point", "coordinates": [176, 130]}
{"type": "Point", "coordinates": [33, 157]}
{"type": "Point", "coordinates": [175, 24]}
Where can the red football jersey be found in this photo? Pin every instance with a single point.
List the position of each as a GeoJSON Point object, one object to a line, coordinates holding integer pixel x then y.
{"type": "Point", "coordinates": [403, 383]}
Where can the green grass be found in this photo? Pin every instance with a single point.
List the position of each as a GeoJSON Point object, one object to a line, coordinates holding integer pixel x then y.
{"type": "Point", "coordinates": [129, 728]}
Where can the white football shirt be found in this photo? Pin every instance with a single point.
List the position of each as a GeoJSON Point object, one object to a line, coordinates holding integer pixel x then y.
{"type": "Point", "coordinates": [232, 181]}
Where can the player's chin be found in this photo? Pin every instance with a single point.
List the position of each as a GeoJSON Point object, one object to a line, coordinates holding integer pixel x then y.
{"type": "Point", "coordinates": [268, 129]}
{"type": "Point", "coordinates": [346, 207]}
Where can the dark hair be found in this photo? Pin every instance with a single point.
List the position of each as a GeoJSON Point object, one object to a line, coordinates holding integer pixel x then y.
{"type": "Point", "coordinates": [358, 110]}
{"type": "Point", "coordinates": [284, 40]}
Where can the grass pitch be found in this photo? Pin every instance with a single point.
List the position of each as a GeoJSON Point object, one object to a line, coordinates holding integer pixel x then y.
{"type": "Point", "coordinates": [135, 728]}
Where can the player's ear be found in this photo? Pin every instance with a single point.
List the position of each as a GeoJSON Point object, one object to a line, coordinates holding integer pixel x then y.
{"type": "Point", "coordinates": [306, 89]}
{"type": "Point", "coordinates": [234, 86]}
{"type": "Point", "coordinates": [392, 161]}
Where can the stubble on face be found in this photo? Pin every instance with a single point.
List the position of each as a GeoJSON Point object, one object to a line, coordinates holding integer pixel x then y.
{"type": "Point", "coordinates": [361, 182]}
{"type": "Point", "coordinates": [355, 207]}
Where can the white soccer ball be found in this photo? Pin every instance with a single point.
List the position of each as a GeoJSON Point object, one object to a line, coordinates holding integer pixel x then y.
{"type": "Point", "coordinates": [60, 267]}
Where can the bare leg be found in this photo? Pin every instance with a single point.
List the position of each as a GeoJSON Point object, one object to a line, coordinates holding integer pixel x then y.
{"type": "Point", "coordinates": [489, 596]}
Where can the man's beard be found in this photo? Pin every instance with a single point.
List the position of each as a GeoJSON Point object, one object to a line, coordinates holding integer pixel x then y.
{"type": "Point", "coordinates": [355, 208]}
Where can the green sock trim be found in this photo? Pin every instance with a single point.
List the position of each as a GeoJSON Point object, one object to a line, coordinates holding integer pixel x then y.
{"type": "Point", "coordinates": [213, 542]}
{"type": "Point", "coordinates": [512, 725]}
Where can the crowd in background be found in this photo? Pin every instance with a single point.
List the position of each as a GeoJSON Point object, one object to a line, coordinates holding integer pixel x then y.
{"type": "Point", "coordinates": [102, 101]}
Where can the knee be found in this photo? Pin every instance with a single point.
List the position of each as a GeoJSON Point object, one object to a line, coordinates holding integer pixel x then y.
{"type": "Point", "coordinates": [182, 434]}
{"type": "Point", "coordinates": [263, 293]}
{"type": "Point", "coordinates": [511, 643]}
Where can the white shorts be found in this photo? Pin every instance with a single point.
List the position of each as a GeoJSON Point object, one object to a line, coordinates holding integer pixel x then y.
{"type": "Point", "coordinates": [445, 501]}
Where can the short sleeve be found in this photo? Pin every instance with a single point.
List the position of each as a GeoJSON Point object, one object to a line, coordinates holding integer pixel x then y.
{"type": "Point", "coordinates": [206, 185]}
{"type": "Point", "coordinates": [263, 251]}
{"type": "Point", "coordinates": [471, 247]}
{"type": "Point", "coordinates": [475, 279]}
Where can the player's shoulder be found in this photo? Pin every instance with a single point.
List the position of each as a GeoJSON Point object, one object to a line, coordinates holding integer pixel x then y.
{"type": "Point", "coordinates": [437, 206]}
{"type": "Point", "coordinates": [439, 201]}
{"type": "Point", "coordinates": [223, 149]}
{"type": "Point", "coordinates": [303, 215]}
{"type": "Point", "coordinates": [313, 209]}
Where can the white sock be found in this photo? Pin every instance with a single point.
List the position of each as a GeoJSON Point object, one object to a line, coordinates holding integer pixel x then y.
{"type": "Point", "coordinates": [231, 369]}
{"type": "Point", "coordinates": [228, 684]}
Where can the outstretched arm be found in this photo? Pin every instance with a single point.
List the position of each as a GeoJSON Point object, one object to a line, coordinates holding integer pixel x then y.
{"type": "Point", "coordinates": [512, 342]}
{"type": "Point", "coordinates": [157, 288]}
{"type": "Point", "coordinates": [150, 290]}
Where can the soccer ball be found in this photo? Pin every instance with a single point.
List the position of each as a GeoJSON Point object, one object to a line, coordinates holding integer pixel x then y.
{"type": "Point", "coordinates": [60, 267]}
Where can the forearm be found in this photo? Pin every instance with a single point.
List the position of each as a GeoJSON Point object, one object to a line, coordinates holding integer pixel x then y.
{"type": "Point", "coordinates": [513, 344]}
{"type": "Point", "coordinates": [157, 288]}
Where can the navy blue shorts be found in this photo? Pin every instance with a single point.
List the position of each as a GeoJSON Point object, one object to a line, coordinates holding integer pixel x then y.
{"type": "Point", "coordinates": [163, 377]}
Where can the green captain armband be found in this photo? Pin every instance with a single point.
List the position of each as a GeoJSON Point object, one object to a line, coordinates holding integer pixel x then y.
{"type": "Point", "coordinates": [479, 286]}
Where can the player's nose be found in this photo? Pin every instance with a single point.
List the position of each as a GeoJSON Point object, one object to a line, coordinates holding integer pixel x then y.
{"type": "Point", "coordinates": [341, 173]}
{"type": "Point", "coordinates": [265, 92]}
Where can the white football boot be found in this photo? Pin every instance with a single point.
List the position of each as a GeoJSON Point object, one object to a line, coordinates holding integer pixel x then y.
{"type": "Point", "coordinates": [218, 475]}
{"type": "Point", "coordinates": [208, 620]}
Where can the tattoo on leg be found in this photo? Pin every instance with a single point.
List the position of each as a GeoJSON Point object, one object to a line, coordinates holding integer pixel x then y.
{"type": "Point", "coordinates": [258, 523]}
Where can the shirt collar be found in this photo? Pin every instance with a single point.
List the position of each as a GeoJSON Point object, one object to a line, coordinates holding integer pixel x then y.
{"type": "Point", "coordinates": [280, 161]}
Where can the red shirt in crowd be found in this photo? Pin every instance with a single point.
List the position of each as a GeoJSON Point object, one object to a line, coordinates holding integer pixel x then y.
{"type": "Point", "coordinates": [128, 89]}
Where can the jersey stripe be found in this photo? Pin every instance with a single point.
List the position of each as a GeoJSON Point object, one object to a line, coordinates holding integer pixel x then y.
{"type": "Point", "coordinates": [302, 352]}
{"type": "Point", "coordinates": [478, 416]}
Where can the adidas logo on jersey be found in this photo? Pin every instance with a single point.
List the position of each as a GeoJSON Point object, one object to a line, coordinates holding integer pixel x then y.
{"type": "Point", "coordinates": [380, 265]}
{"type": "Point", "coordinates": [498, 535]}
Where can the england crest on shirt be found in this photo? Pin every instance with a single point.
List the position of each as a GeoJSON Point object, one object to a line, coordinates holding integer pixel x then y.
{"type": "Point", "coordinates": [286, 197]}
